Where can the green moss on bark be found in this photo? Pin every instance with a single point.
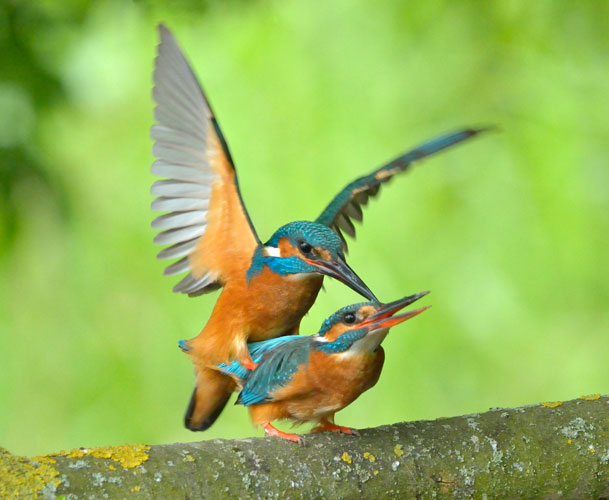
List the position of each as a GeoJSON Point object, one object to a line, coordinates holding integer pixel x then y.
{"type": "Point", "coordinates": [531, 452]}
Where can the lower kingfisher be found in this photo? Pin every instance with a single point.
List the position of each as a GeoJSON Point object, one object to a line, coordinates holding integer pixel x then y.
{"type": "Point", "coordinates": [310, 378]}
{"type": "Point", "coordinates": [266, 287]}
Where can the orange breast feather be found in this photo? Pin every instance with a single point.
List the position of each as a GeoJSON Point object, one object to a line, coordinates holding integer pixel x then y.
{"type": "Point", "coordinates": [324, 386]}
{"type": "Point", "coordinates": [268, 306]}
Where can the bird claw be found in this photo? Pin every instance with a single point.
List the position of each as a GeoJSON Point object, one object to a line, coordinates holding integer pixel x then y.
{"type": "Point", "coordinates": [330, 427]}
{"type": "Point", "coordinates": [269, 430]}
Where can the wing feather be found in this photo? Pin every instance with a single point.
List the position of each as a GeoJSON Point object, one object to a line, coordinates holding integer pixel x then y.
{"type": "Point", "coordinates": [205, 222]}
{"type": "Point", "coordinates": [165, 204]}
{"type": "Point", "coordinates": [275, 369]}
{"type": "Point", "coordinates": [347, 204]}
{"type": "Point", "coordinates": [178, 250]}
{"type": "Point", "coordinates": [173, 236]}
{"type": "Point", "coordinates": [180, 219]}
{"type": "Point", "coordinates": [257, 352]}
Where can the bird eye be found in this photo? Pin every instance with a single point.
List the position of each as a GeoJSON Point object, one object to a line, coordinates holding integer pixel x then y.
{"type": "Point", "coordinates": [305, 247]}
{"type": "Point", "coordinates": [349, 318]}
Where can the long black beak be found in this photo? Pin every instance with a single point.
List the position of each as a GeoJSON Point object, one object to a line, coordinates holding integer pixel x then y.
{"type": "Point", "coordinates": [342, 272]}
{"type": "Point", "coordinates": [384, 317]}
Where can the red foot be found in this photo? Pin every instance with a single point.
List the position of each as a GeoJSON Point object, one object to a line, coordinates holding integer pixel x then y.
{"type": "Point", "coordinates": [249, 364]}
{"type": "Point", "coordinates": [328, 426]}
{"type": "Point", "coordinates": [272, 431]}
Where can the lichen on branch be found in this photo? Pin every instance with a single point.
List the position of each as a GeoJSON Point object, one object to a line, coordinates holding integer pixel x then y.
{"type": "Point", "coordinates": [548, 450]}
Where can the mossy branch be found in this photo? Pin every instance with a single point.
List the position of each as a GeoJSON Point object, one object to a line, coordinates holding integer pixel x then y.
{"type": "Point", "coordinates": [549, 451]}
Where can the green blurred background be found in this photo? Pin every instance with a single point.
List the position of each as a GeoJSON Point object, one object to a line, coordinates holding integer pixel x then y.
{"type": "Point", "coordinates": [510, 231]}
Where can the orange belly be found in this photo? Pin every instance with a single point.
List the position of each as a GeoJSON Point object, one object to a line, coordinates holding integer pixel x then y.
{"type": "Point", "coordinates": [324, 386]}
{"type": "Point", "coordinates": [268, 306]}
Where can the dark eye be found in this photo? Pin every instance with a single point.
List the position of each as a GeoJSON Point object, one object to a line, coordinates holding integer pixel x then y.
{"type": "Point", "coordinates": [305, 247]}
{"type": "Point", "coordinates": [349, 318]}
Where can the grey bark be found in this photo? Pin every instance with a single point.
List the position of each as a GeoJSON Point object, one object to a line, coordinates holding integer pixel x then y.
{"type": "Point", "coordinates": [530, 452]}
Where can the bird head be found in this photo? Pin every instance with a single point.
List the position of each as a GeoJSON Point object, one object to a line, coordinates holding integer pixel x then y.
{"type": "Point", "coordinates": [362, 327]}
{"type": "Point", "coordinates": [309, 247]}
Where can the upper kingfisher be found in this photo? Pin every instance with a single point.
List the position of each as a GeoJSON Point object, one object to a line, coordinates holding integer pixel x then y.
{"type": "Point", "coordinates": [310, 378]}
{"type": "Point", "coordinates": [267, 287]}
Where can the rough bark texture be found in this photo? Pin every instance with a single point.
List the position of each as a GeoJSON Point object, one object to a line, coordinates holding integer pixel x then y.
{"type": "Point", "coordinates": [548, 451]}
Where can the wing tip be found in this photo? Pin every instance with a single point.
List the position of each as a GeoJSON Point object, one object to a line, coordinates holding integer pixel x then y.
{"type": "Point", "coordinates": [164, 31]}
{"type": "Point", "coordinates": [471, 132]}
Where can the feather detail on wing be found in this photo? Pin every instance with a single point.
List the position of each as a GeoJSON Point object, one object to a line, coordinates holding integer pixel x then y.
{"type": "Point", "coordinates": [206, 224]}
{"type": "Point", "coordinates": [257, 351]}
{"type": "Point", "coordinates": [348, 203]}
{"type": "Point", "coordinates": [279, 359]}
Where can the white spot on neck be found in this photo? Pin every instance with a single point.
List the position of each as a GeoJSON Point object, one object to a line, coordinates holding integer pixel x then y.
{"type": "Point", "coordinates": [271, 252]}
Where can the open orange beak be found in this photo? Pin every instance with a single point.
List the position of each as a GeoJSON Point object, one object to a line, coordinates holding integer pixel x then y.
{"type": "Point", "coordinates": [384, 317]}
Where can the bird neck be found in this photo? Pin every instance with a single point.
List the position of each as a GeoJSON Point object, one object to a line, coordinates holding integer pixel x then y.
{"type": "Point", "coordinates": [354, 342]}
{"type": "Point", "coordinates": [341, 344]}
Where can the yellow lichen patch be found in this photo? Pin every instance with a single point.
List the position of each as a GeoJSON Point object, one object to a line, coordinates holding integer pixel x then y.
{"type": "Point", "coordinates": [345, 457]}
{"type": "Point", "coordinates": [376, 473]}
{"type": "Point", "coordinates": [111, 467]}
{"type": "Point", "coordinates": [551, 404]}
{"type": "Point", "coordinates": [45, 460]}
{"type": "Point", "coordinates": [135, 489]}
{"type": "Point", "coordinates": [369, 456]}
{"type": "Point", "coordinates": [398, 450]}
{"type": "Point", "coordinates": [128, 455]}
{"type": "Point", "coordinates": [189, 458]}
{"type": "Point", "coordinates": [590, 397]}
{"type": "Point", "coordinates": [24, 478]}
{"type": "Point", "coordinates": [569, 441]}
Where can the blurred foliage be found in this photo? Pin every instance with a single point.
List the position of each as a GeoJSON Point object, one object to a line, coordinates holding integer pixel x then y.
{"type": "Point", "coordinates": [510, 232]}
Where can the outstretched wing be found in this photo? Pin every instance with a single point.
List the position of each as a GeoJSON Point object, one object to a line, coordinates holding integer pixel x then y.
{"type": "Point", "coordinates": [207, 226]}
{"type": "Point", "coordinates": [275, 369]}
{"type": "Point", "coordinates": [347, 204]}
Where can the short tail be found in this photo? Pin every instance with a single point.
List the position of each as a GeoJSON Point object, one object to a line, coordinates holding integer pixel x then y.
{"type": "Point", "coordinates": [212, 391]}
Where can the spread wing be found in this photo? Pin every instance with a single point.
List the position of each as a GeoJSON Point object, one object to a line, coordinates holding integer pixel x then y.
{"type": "Point", "coordinates": [275, 370]}
{"type": "Point", "coordinates": [206, 224]}
{"type": "Point", "coordinates": [348, 203]}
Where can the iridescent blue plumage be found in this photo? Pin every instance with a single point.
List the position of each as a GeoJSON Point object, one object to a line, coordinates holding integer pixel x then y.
{"type": "Point", "coordinates": [277, 365]}
{"type": "Point", "coordinates": [257, 351]}
{"type": "Point", "coordinates": [342, 343]}
{"type": "Point", "coordinates": [337, 316]}
{"type": "Point", "coordinates": [315, 233]}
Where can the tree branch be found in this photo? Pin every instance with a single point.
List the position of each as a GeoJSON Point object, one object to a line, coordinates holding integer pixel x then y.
{"type": "Point", "coordinates": [552, 451]}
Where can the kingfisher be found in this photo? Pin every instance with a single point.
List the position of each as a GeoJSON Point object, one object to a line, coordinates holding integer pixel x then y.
{"type": "Point", "coordinates": [310, 378]}
{"type": "Point", "coordinates": [266, 287]}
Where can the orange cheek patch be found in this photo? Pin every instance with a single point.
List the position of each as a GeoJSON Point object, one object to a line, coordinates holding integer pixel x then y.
{"type": "Point", "coordinates": [286, 248]}
{"type": "Point", "coordinates": [366, 311]}
{"type": "Point", "coordinates": [323, 253]}
{"type": "Point", "coordinates": [335, 332]}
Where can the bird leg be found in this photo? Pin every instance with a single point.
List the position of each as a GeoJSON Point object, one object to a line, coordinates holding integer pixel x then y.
{"type": "Point", "coordinates": [326, 425]}
{"type": "Point", "coordinates": [269, 430]}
